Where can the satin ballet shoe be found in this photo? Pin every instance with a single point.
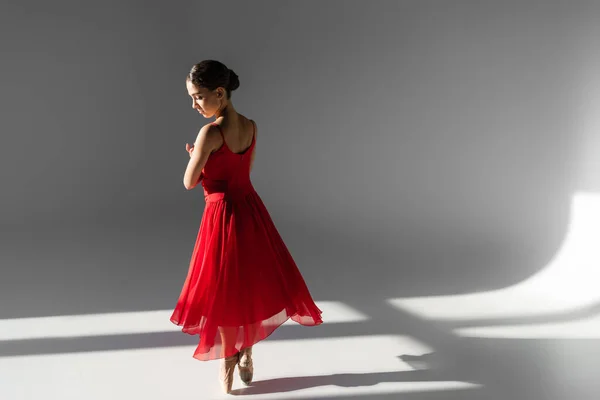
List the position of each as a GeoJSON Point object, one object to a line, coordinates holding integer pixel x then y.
{"type": "Point", "coordinates": [246, 366]}
{"type": "Point", "coordinates": [226, 372]}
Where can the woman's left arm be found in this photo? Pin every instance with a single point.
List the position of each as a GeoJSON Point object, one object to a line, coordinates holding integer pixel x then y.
{"type": "Point", "coordinates": [203, 147]}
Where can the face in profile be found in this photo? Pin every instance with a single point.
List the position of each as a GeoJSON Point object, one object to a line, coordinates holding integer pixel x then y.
{"type": "Point", "coordinates": [206, 102]}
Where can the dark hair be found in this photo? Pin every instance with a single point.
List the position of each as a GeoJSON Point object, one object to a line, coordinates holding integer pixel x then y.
{"type": "Point", "coordinates": [211, 74]}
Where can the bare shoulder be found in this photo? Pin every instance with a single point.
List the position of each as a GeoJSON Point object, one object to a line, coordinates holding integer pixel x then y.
{"type": "Point", "coordinates": [209, 137]}
{"type": "Point", "coordinates": [252, 124]}
{"type": "Point", "coordinates": [248, 125]}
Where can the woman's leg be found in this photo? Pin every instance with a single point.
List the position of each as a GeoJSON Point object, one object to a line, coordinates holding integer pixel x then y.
{"type": "Point", "coordinates": [245, 364]}
{"type": "Point", "coordinates": [228, 341]}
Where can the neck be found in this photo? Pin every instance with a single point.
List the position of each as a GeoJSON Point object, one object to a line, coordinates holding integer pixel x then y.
{"type": "Point", "coordinates": [228, 112]}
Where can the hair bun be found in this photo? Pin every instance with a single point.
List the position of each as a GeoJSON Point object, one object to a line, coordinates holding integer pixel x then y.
{"type": "Point", "coordinates": [213, 74]}
{"type": "Point", "coordinates": [234, 80]}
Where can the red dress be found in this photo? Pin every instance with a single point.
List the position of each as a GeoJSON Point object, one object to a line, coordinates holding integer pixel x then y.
{"type": "Point", "coordinates": [242, 281]}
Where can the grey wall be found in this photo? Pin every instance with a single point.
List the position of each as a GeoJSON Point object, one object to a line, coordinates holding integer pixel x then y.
{"type": "Point", "coordinates": [404, 144]}
{"type": "Point", "coordinates": [91, 94]}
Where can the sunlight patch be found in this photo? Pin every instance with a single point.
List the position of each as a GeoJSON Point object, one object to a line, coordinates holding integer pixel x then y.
{"type": "Point", "coordinates": [588, 328]}
{"type": "Point", "coordinates": [568, 283]}
{"type": "Point", "coordinates": [124, 323]}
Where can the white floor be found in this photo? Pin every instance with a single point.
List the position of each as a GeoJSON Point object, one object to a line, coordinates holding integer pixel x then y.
{"type": "Point", "coordinates": [284, 369]}
{"type": "Point", "coordinates": [538, 339]}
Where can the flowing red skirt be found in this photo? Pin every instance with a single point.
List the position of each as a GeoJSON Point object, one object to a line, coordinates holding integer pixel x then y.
{"type": "Point", "coordinates": [242, 282]}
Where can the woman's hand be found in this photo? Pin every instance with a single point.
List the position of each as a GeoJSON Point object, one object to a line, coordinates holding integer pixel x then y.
{"type": "Point", "coordinates": [189, 149]}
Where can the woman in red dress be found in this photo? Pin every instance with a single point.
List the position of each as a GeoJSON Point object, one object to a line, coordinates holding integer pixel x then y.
{"type": "Point", "coordinates": [242, 283]}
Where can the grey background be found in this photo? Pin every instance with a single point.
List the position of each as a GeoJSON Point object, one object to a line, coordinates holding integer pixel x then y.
{"type": "Point", "coordinates": [405, 148]}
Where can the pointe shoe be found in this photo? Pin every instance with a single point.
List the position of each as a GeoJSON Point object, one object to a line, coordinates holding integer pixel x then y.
{"type": "Point", "coordinates": [226, 372]}
{"type": "Point", "coordinates": [245, 365]}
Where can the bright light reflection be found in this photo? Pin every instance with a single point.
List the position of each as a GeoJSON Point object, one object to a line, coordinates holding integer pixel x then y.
{"type": "Point", "coordinates": [131, 323]}
{"type": "Point", "coordinates": [588, 328]}
{"type": "Point", "coordinates": [568, 283]}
